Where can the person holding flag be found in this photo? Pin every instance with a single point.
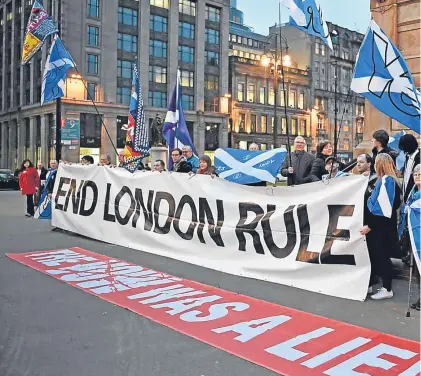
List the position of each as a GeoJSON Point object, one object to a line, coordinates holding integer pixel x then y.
{"type": "Point", "coordinates": [44, 208]}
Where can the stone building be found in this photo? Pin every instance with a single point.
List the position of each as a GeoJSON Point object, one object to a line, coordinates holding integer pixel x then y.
{"type": "Point", "coordinates": [104, 38]}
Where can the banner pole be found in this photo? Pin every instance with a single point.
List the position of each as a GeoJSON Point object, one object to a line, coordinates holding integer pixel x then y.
{"type": "Point", "coordinates": [58, 100]}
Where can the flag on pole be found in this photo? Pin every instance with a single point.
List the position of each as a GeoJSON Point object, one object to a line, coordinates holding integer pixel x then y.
{"type": "Point", "coordinates": [55, 72]}
{"type": "Point", "coordinates": [137, 139]}
{"type": "Point", "coordinates": [40, 26]}
{"type": "Point", "coordinates": [175, 130]}
{"type": "Point", "coordinates": [44, 207]}
{"type": "Point", "coordinates": [382, 76]}
{"type": "Point", "coordinates": [248, 167]}
{"type": "Point", "coordinates": [307, 16]}
{"type": "Point", "coordinates": [394, 144]}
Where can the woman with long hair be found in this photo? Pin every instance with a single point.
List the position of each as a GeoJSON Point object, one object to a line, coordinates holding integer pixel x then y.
{"type": "Point", "coordinates": [318, 169]}
{"type": "Point", "coordinates": [205, 166]}
{"type": "Point", "coordinates": [381, 224]}
{"type": "Point", "coordinates": [29, 183]}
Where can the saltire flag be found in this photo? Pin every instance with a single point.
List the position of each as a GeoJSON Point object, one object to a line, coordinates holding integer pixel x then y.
{"type": "Point", "coordinates": [307, 16]}
{"type": "Point", "coordinates": [55, 72]}
{"type": "Point", "coordinates": [247, 167]}
{"type": "Point", "coordinates": [394, 144]}
{"type": "Point", "coordinates": [44, 207]}
{"type": "Point", "coordinates": [175, 131]}
{"type": "Point", "coordinates": [414, 227]}
{"type": "Point", "coordinates": [40, 26]}
{"type": "Point", "coordinates": [380, 202]}
{"type": "Point", "coordinates": [137, 138]}
{"type": "Point", "coordinates": [382, 76]}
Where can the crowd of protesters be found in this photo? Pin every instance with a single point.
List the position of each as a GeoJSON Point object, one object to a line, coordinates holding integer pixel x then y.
{"type": "Point", "coordinates": [301, 167]}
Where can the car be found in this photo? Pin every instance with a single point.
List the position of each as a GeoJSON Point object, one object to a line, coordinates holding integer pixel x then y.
{"type": "Point", "coordinates": [8, 180]}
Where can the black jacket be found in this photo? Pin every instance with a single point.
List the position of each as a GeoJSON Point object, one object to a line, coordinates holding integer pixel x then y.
{"type": "Point", "coordinates": [43, 174]}
{"type": "Point", "coordinates": [183, 166]}
{"type": "Point", "coordinates": [392, 152]}
{"type": "Point", "coordinates": [411, 182]}
{"type": "Point", "coordinates": [302, 163]}
{"type": "Point", "coordinates": [51, 181]}
{"type": "Point", "coordinates": [317, 169]}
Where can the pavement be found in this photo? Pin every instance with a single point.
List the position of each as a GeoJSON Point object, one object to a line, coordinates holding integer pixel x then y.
{"type": "Point", "coordinates": [49, 329]}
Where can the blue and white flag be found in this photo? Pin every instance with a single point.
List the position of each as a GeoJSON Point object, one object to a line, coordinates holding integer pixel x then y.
{"type": "Point", "coordinates": [307, 16]}
{"type": "Point", "coordinates": [248, 167]}
{"type": "Point", "coordinates": [394, 144]}
{"type": "Point", "coordinates": [382, 76]}
{"type": "Point", "coordinates": [44, 207]}
{"type": "Point", "coordinates": [55, 72]}
{"type": "Point", "coordinates": [414, 228]}
{"type": "Point", "coordinates": [380, 202]}
{"type": "Point", "coordinates": [175, 131]}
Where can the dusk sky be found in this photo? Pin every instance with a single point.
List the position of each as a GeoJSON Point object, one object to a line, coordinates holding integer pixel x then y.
{"type": "Point", "coordinates": [352, 14]}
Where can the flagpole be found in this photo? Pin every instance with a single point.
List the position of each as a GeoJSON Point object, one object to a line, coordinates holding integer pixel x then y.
{"type": "Point", "coordinates": [58, 100]}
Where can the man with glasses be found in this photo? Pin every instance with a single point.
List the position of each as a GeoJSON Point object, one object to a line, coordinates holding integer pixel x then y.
{"type": "Point", "coordinates": [301, 163]}
{"type": "Point", "coordinates": [180, 163]}
{"type": "Point", "coordinates": [191, 158]}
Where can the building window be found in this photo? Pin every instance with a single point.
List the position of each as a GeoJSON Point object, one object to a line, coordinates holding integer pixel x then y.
{"type": "Point", "coordinates": [212, 36]}
{"type": "Point", "coordinates": [127, 42]}
{"type": "Point", "coordinates": [212, 58]}
{"type": "Point", "coordinates": [284, 125]}
{"type": "Point", "coordinates": [157, 74]}
{"type": "Point", "coordinates": [187, 78]}
{"type": "Point", "coordinates": [160, 3]}
{"type": "Point", "coordinates": [316, 66]}
{"type": "Point", "coordinates": [262, 95]}
{"type": "Point", "coordinates": [323, 49]}
{"type": "Point", "coordinates": [211, 136]}
{"type": "Point", "coordinates": [91, 92]}
{"type": "Point", "coordinates": [158, 23]}
{"type": "Point", "coordinates": [157, 99]}
{"type": "Point", "coordinates": [301, 101]}
{"type": "Point", "coordinates": [253, 123]}
{"type": "Point", "coordinates": [93, 8]}
{"type": "Point", "coordinates": [234, 38]}
{"type": "Point", "coordinates": [211, 82]}
{"type": "Point", "coordinates": [157, 48]}
{"type": "Point", "coordinates": [240, 92]}
{"type": "Point", "coordinates": [264, 124]}
{"type": "Point", "coordinates": [186, 30]}
{"type": "Point", "coordinates": [323, 70]}
{"type": "Point", "coordinates": [127, 16]}
{"type": "Point", "coordinates": [322, 85]}
{"type": "Point", "coordinates": [93, 36]}
{"type": "Point", "coordinates": [187, 7]}
{"type": "Point", "coordinates": [251, 93]}
{"type": "Point", "coordinates": [317, 48]}
{"type": "Point", "coordinates": [93, 61]}
{"type": "Point", "coordinates": [186, 54]}
{"type": "Point", "coordinates": [302, 130]}
{"type": "Point", "coordinates": [271, 96]}
{"type": "Point", "coordinates": [292, 99]}
{"type": "Point", "coordinates": [123, 95]}
{"type": "Point", "coordinates": [124, 69]}
{"type": "Point", "coordinates": [212, 13]}
{"type": "Point", "coordinates": [293, 126]}
{"type": "Point", "coordinates": [346, 143]}
{"type": "Point", "coordinates": [187, 102]}
{"type": "Point", "coordinates": [320, 122]}
{"type": "Point", "coordinates": [241, 123]}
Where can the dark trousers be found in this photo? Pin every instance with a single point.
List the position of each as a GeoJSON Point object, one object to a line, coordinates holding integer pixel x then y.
{"type": "Point", "coordinates": [381, 264]}
{"type": "Point", "coordinates": [30, 204]}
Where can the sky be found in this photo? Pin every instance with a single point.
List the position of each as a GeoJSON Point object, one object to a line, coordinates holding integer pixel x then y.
{"type": "Point", "coordinates": [352, 14]}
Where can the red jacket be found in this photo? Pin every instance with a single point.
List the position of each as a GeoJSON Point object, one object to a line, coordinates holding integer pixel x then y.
{"type": "Point", "coordinates": [29, 181]}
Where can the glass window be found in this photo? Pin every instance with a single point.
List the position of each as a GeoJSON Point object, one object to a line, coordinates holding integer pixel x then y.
{"type": "Point", "coordinates": [323, 69]}
{"type": "Point", "coordinates": [212, 58]}
{"type": "Point", "coordinates": [316, 66]}
{"type": "Point", "coordinates": [186, 54]}
{"type": "Point", "coordinates": [157, 99]}
{"type": "Point", "coordinates": [127, 16]}
{"type": "Point", "coordinates": [323, 49]}
{"type": "Point", "coordinates": [242, 123]}
{"type": "Point", "coordinates": [212, 36]}
{"type": "Point", "coordinates": [93, 36]}
{"type": "Point", "coordinates": [317, 48]}
{"type": "Point", "coordinates": [91, 92]}
{"type": "Point", "coordinates": [234, 38]}
{"type": "Point", "coordinates": [301, 101]}
{"type": "Point", "coordinates": [124, 69]}
{"type": "Point", "coordinates": [93, 8]}
{"type": "Point", "coordinates": [302, 130]}
{"type": "Point", "coordinates": [262, 96]}
{"type": "Point", "coordinates": [212, 13]}
{"type": "Point", "coordinates": [160, 3]}
{"type": "Point", "coordinates": [292, 99]}
{"type": "Point", "coordinates": [157, 74]}
{"type": "Point", "coordinates": [253, 123]}
{"type": "Point", "coordinates": [251, 93]}
{"type": "Point", "coordinates": [187, 7]}
{"type": "Point", "coordinates": [123, 95]}
{"type": "Point", "coordinates": [187, 78]}
{"type": "Point", "coordinates": [186, 30]}
{"type": "Point", "coordinates": [127, 42]}
{"type": "Point", "coordinates": [93, 61]}
{"type": "Point", "coordinates": [240, 92]}
{"type": "Point", "coordinates": [271, 96]}
{"type": "Point", "coordinates": [157, 48]}
{"type": "Point", "coordinates": [264, 124]}
{"type": "Point", "coordinates": [187, 102]}
{"type": "Point", "coordinates": [293, 126]}
{"type": "Point", "coordinates": [211, 82]}
{"type": "Point", "coordinates": [158, 23]}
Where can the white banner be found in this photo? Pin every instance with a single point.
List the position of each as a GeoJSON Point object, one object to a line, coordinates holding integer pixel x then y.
{"type": "Point", "coordinates": [305, 236]}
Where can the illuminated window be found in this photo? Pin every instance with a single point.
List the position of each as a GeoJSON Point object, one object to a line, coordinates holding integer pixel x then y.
{"type": "Point", "coordinates": [212, 13]}
{"type": "Point", "coordinates": [160, 3]}
{"type": "Point", "coordinates": [187, 7]}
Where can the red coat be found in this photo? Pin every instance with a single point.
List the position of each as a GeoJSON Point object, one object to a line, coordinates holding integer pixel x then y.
{"type": "Point", "coordinates": [29, 181]}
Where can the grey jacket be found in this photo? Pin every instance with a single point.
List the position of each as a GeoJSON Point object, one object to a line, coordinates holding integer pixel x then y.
{"type": "Point", "coordinates": [301, 162]}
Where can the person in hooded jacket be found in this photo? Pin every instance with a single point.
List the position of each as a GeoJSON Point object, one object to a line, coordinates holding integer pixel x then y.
{"type": "Point", "coordinates": [318, 169]}
{"type": "Point", "coordinates": [409, 144]}
{"type": "Point", "coordinates": [29, 184]}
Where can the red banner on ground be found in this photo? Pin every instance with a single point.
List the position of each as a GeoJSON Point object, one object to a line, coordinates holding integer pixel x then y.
{"type": "Point", "coordinates": [279, 338]}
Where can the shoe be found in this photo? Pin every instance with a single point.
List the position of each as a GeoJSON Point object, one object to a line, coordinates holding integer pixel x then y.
{"type": "Point", "coordinates": [382, 294]}
{"type": "Point", "coordinates": [370, 290]}
{"type": "Point", "coordinates": [28, 215]}
{"type": "Point", "coordinates": [416, 305]}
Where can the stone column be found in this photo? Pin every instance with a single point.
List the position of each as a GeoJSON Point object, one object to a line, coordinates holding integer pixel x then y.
{"type": "Point", "coordinates": [13, 53]}
{"type": "Point", "coordinates": [32, 139]}
{"type": "Point", "coordinates": [200, 62]}
{"type": "Point", "coordinates": [143, 47]}
{"type": "Point", "coordinates": [44, 140]}
{"type": "Point", "coordinates": [4, 145]}
{"type": "Point", "coordinates": [223, 133]}
{"type": "Point", "coordinates": [172, 47]}
{"type": "Point", "coordinates": [21, 134]}
{"type": "Point", "coordinates": [106, 145]}
{"type": "Point", "coordinates": [3, 62]}
{"type": "Point", "coordinates": [200, 133]}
